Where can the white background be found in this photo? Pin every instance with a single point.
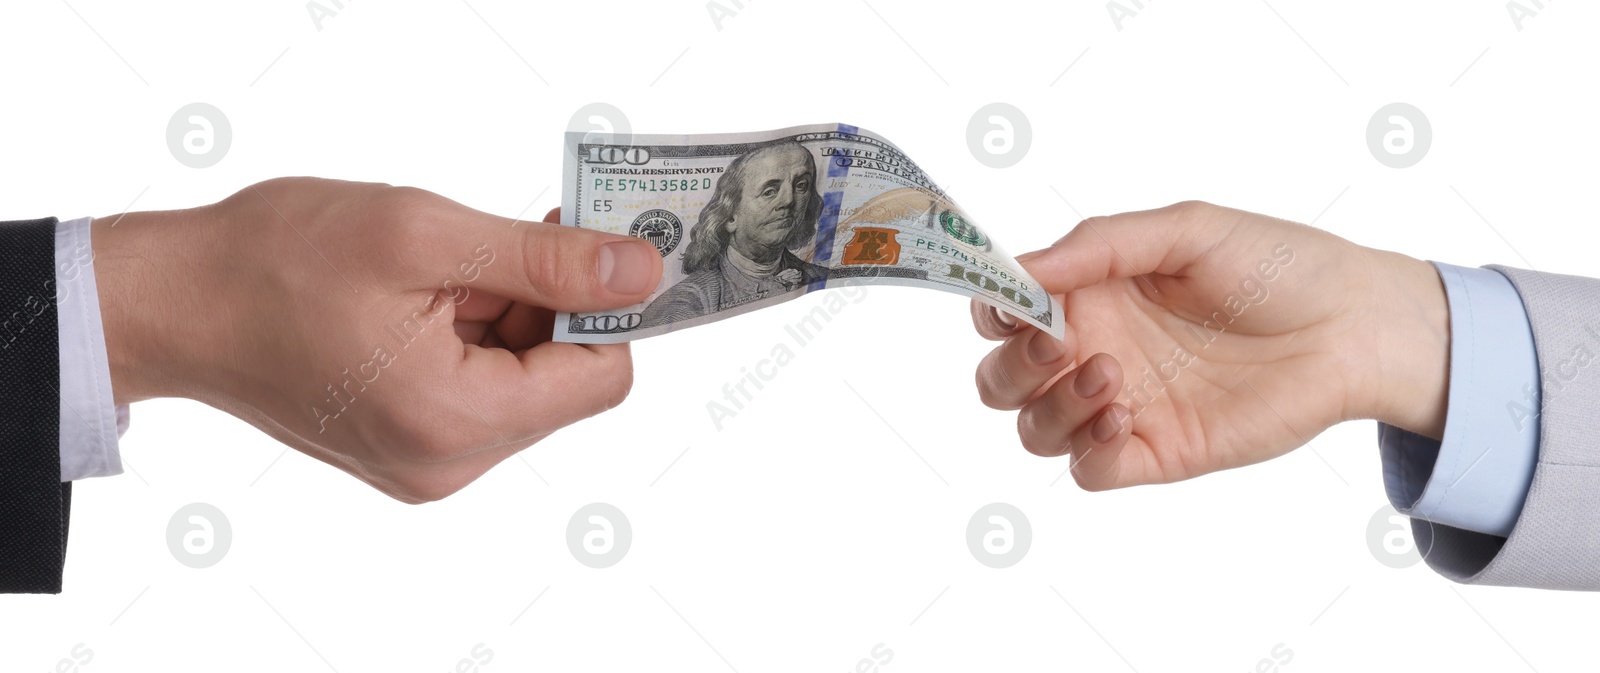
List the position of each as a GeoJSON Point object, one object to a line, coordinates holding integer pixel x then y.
{"type": "Point", "coordinates": [806, 531]}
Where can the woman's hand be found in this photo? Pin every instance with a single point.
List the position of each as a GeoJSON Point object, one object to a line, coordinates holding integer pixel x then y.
{"type": "Point", "coordinates": [1202, 338]}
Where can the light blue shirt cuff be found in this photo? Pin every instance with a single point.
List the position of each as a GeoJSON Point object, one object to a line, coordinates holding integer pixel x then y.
{"type": "Point", "coordinates": [1477, 477]}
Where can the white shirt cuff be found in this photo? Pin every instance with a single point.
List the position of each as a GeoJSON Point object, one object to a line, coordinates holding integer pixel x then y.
{"type": "Point", "coordinates": [91, 423]}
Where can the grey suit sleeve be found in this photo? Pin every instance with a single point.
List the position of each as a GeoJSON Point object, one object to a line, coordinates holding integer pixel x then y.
{"type": "Point", "coordinates": [1555, 543]}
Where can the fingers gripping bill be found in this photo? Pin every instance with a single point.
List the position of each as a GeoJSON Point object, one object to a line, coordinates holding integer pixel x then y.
{"type": "Point", "coordinates": [744, 221]}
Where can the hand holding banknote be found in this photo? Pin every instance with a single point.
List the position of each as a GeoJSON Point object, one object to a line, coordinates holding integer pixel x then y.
{"type": "Point", "coordinates": [1201, 338]}
{"type": "Point", "coordinates": [390, 332]}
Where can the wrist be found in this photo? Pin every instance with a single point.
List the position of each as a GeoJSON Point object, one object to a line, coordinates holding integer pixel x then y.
{"type": "Point", "coordinates": [138, 258]}
{"type": "Point", "coordinates": [1411, 358]}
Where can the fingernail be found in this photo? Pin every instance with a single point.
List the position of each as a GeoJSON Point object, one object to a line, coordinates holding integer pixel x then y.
{"type": "Point", "coordinates": [1091, 380]}
{"type": "Point", "coordinates": [1108, 425]}
{"type": "Point", "coordinates": [625, 266]}
{"type": "Point", "coordinates": [1044, 349]}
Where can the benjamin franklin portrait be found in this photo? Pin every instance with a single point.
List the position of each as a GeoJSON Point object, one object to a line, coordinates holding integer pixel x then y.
{"type": "Point", "coordinates": [765, 205]}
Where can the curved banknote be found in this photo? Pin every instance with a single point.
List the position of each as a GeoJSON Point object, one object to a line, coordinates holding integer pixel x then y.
{"type": "Point", "coordinates": [748, 220]}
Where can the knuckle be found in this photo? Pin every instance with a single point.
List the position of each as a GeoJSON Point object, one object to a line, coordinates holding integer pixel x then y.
{"type": "Point", "coordinates": [407, 210]}
{"type": "Point", "coordinates": [1092, 222]}
{"type": "Point", "coordinates": [1052, 409]}
{"type": "Point", "coordinates": [1094, 483]}
{"type": "Point", "coordinates": [617, 385]}
{"type": "Point", "coordinates": [1007, 363]}
{"type": "Point", "coordinates": [1036, 439]}
{"type": "Point", "coordinates": [285, 184]}
{"type": "Point", "coordinates": [270, 186]}
{"type": "Point", "coordinates": [1089, 228]}
{"type": "Point", "coordinates": [986, 393]}
{"type": "Point", "coordinates": [403, 227]}
{"type": "Point", "coordinates": [1192, 208]}
{"type": "Point", "coordinates": [258, 198]}
{"type": "Point", "coordinates": [997, 389]}
{"type": "Point", "coordinates": [547, 266]}
{"type": "Point", "coordinates": [1102, 474]}
{"type": "Point", "coordinates": [407, 198]}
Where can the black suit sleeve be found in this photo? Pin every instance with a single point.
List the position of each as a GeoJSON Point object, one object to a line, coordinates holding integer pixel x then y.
{"type": "Point", "coordinates": [34, 502]}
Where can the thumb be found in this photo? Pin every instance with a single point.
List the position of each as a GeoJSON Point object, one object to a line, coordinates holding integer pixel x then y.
{"type": "Point", "coordinates": [1164, 240]}
{"type": "Point", "coordinates": [569, 269]}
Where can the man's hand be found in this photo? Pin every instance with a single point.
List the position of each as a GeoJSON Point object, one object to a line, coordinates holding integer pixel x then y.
{"type": "Point", "coordinates": [1202, 338]}
{"type": "Point", "coordinates": [389, 332]}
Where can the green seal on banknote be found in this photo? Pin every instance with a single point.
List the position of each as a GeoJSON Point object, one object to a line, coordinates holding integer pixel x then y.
{"type": "Point", "coordinates": [961, 229]}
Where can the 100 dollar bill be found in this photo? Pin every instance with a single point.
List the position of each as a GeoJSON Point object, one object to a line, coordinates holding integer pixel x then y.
{"type": "Point", "coordinates": [748, 220]}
